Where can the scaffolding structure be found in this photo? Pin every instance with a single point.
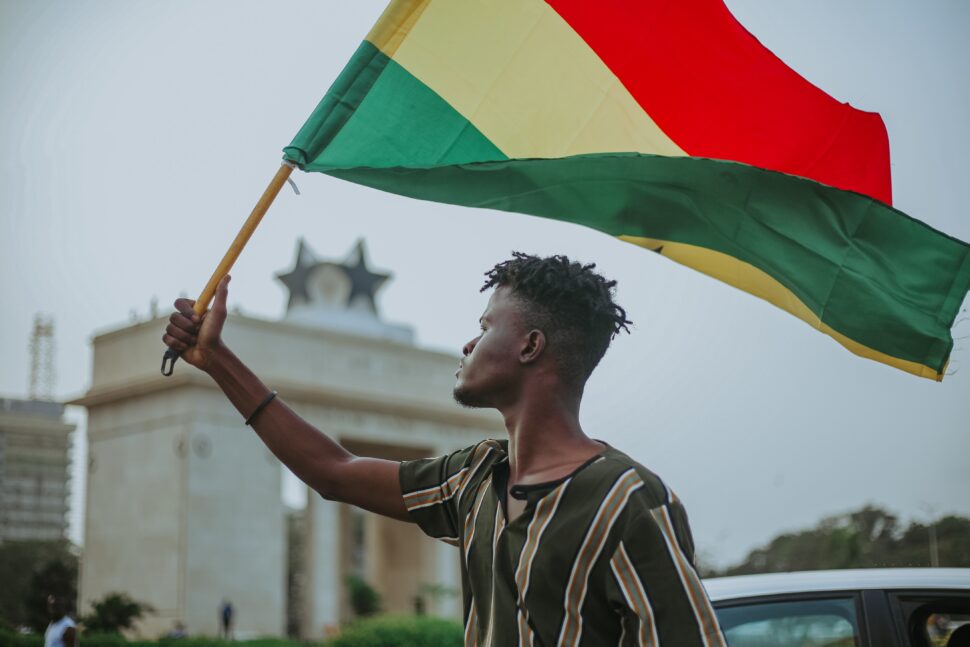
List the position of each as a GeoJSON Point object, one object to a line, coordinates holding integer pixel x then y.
{"type": "Point", "coordinates": [42, 359]}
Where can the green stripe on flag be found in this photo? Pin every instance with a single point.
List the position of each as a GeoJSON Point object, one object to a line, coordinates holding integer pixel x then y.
{"type": "Point", "coordinates": [867, 270]}
{"type": "Point", "coordinates": [350, 126]}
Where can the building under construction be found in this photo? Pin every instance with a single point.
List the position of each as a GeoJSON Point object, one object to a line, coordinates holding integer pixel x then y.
{"type": "Point", "coordinates": [35, 450]}
{"type": "Point", "coordinates": [35, 445]}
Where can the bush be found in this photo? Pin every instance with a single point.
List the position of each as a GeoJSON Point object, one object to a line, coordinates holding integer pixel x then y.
{"type": "Point", "coordinates": [114, 613]}
{"type": "Point", "coordinates": [383, 631]}
{"type": "Point", "coordinates": [14, 639]}
{"type": "Point", "coordinates": [364, 600]}
{"type": "Point", "coordinates": [117, 640]}
{"type": "Point", "coordinates": [209, 641]}
{"type": "Point", "coordinates": [400, 631]}
{"type": "Point", "coordinates": [99, 639]}
{"type": "Point", "coordinates": [10, 638]}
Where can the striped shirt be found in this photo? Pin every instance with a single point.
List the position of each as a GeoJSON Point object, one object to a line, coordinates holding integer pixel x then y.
{"type": "Point", "coordinates": [603, 556]}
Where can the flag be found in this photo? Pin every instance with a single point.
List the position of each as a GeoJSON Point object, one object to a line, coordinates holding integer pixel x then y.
{"type": "Point", "coordinates": [663, 123]}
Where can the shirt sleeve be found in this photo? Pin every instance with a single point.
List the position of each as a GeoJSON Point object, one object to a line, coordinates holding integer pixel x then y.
{"type": "Point", "coordinates": [654, 582]}
{"type": "Point", "coordinates": [433, 489]}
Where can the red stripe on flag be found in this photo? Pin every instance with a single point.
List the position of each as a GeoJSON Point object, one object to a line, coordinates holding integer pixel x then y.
{"type": "Point", "coordinates": [719, 93]}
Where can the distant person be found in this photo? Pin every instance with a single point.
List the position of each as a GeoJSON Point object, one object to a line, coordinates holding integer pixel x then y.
{"type": "Point", "coordinates": [564, 540]}
{"type": "Point", "coordinates": [938, 625]}
{"type": "Point", "coordinates": [225, 616]}
{"type": "Point", "coordinates": [61, 632]}
{"type": "Point", "coordinates": [177, 631]}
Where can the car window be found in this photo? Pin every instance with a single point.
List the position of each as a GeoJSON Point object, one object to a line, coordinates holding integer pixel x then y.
{"type": "Point", "coordinates": [803, 623]}
{"type": "Point", "coordinates": [940, 626]}
{"type": "Point", "coordinates": [932, 618]}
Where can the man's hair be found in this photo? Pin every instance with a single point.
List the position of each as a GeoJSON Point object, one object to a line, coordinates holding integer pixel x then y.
{"type": "Point", "coordinates": [569, 302]}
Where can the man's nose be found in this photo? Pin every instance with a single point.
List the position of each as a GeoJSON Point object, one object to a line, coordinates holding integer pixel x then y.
{"type": "Point", "coordinates": [467, 349]}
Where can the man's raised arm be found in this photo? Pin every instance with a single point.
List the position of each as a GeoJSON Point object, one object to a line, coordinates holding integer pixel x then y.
{"type": "Point", "coordinates": [316, 459]}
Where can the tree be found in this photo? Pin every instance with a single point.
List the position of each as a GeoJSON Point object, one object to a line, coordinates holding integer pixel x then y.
{"type": "Point", "coordinates": [867, 538]}
{"type": "Point", "coordinates": [30, 571]}
{"type": "Point", "coordinates": [113, 613]}
{"type": "Point", "coordinates": [57, 577]}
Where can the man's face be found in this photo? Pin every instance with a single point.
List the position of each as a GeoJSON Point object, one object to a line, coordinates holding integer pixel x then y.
{"type": "Point", "coordinates": [55, 607]}
{"type": "Point", "coordinates": [490, 369]}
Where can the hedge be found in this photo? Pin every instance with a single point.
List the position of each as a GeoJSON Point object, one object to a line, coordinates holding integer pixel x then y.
{"type": "Point", "coordinates": [382, 631]}
{"type": "Point", "coordinates": [400, 631]}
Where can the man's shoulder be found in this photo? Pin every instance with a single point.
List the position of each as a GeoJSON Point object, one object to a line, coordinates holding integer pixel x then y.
{"type": "Point", "coordinates": [488, 450]}
{"type": "Point", "coordinates": [453, 471]}
{"type": "Point", "coordinates": [650, 490]}
{"type": "Point", "coordinates": [64, 623]}
{"type": "Point", "coordinates": [485, 453]}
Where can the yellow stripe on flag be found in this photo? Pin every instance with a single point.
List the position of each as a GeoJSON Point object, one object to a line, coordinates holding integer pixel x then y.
{"type": "Point", "coordinates": [749, 278]}
{"type": "Point", "coordinates": [393, 26]}
{"type": "Point", "coordinates": [521, 75]}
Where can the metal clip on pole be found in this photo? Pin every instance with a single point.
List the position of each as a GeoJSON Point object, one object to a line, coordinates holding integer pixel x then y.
{"type": "Point", "coordinates": [170, 357]}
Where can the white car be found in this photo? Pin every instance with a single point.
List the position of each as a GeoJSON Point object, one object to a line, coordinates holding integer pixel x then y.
{"type": "Point", "coordinates": [879, 607]}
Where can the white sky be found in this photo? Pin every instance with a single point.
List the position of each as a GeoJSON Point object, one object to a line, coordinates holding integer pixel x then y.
{"type": "Point", "coordinates": [137, 135]}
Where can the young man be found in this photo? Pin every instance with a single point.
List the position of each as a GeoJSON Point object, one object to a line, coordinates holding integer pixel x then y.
{"type": "Point", "coordinates": [61, 632]}
{"type": "Point", "coordinates": [563, 540]}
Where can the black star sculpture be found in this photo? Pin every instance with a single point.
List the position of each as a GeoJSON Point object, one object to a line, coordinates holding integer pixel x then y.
{"type": "Point", "coordinates": [296, 279]}
{"type": "Point", "coordinates": [363, 282]}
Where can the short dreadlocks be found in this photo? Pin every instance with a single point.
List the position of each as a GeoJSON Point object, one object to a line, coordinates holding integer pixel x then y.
{"type": "Point", "coordinates": [569, 302]}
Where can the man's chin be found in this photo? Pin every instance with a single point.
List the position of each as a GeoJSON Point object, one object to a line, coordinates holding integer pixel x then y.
{"type": "Point", "coordinates": [467, 398]}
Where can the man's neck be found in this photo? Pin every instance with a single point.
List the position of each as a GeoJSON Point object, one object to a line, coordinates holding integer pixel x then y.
{"type": "Point", "coordinates": [546, 441]}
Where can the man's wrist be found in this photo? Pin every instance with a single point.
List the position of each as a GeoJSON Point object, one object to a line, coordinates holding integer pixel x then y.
{"type": "Point", "coordinates": [216, 359]}
{"type": "Point", "coordinates": [240, 384]}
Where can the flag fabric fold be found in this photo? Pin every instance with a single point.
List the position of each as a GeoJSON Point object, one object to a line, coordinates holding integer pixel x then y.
{"type": "Point", "coordinates": [665, 124]}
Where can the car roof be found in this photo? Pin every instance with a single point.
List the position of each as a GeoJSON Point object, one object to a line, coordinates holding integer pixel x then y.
{"type": "Point", "coordinates": [744, 586]}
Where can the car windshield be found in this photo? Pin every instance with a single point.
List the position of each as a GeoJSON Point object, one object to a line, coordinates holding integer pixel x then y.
{"type": "Point", "coordinates": [806, 623]}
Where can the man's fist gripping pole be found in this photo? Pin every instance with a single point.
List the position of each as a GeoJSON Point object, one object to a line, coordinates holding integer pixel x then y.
{"type": "Point", "coordinates": [316, 459]}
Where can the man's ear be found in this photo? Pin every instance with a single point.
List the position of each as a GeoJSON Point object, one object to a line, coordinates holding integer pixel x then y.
{"type": "Point", "coordinates": [535, 344]}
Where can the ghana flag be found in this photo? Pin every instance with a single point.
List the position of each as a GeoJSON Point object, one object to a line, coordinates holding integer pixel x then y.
{"type": "Point", "coordinates": [663, 123]}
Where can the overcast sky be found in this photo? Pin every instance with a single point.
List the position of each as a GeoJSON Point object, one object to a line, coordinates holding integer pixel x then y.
{"type": "Point", "coordinates": [136, 137]}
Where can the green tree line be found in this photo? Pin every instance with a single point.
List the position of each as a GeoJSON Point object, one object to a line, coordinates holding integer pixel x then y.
{"type": "Point", "coordinates": [867, 538]}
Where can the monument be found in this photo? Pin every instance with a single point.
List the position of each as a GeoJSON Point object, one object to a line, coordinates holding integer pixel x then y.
{"type": "Point", "coordinates": [184, 504]}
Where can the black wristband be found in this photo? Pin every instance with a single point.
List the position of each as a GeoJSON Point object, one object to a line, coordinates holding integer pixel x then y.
{"type": "Point", "coordinates": [261, 406]}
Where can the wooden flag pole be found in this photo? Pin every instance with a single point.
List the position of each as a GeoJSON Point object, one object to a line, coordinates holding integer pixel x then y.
{"type": "Point", "coordinates": [202, 303]}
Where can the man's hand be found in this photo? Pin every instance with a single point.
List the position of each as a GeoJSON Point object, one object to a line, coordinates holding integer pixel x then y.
{"type": "Point", "coordinates": [197, 337]}
{"type": "Point", "coordinates": [315, 458]}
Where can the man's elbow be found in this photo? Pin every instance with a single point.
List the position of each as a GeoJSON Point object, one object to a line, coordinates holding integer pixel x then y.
{"type": "Point", "coordinates": [329, 480]}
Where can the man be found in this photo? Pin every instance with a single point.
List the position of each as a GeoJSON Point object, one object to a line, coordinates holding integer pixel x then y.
{"type": "Point", "coordinates": [225, 619]}
{"type": "Point", "coordinates": [61, 631]}
{"type": "Point", "coordinates": [177, 631]}
{"type": "Point", "coordinates": [563, 540]}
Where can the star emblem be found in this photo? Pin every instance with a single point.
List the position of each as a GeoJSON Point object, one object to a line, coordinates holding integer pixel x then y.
{"type": "Point", "coordinates": [363, 282]}
{"type": "Point", "coordinates": [296, 279]}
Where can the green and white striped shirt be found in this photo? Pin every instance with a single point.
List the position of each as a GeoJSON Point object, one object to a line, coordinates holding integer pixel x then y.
{"type": "Point", "coordinates": [603, 556]}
